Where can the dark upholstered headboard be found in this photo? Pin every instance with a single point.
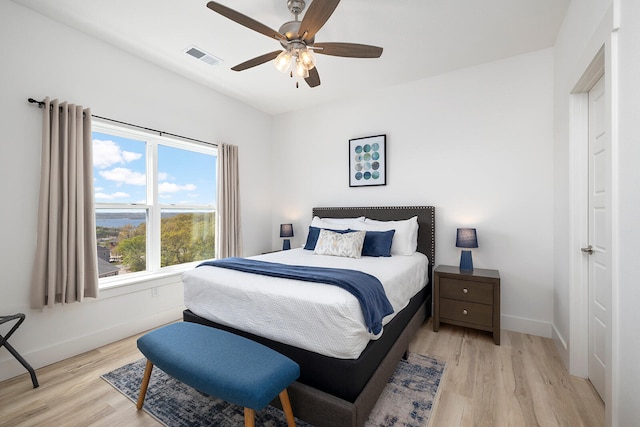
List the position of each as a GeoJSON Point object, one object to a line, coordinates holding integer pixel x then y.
{"type": "Point", "coordinates": [426, 221]}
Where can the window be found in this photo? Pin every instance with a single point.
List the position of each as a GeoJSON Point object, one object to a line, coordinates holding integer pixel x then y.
{"type": "Point", "coordinates": [154, 201]}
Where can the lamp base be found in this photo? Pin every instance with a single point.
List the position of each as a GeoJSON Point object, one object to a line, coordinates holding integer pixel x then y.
{"type": "Point", "coordinates": [466, 263]}
{"type": "Point", "coordinates": [286, 245]}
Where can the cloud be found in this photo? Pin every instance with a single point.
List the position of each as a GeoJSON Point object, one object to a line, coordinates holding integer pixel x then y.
{"type": "Point", "coordinates": [108, 153]}
{"type": "Point", "coordinates": [129, 156]}
{"type": "Point", "coordinates": [116, 195]}
{"type": "Point", "coordinates": [169, 187]}
{"type": "Point", "coordinates": [124, 176]}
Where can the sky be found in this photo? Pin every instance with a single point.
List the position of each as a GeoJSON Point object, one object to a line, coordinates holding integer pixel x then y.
{"type": "Point", "coordinates": [119, 171]}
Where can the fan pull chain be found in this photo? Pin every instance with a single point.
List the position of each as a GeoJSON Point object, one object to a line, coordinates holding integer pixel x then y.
{"type": "Point", "coordinates": [291, 75]}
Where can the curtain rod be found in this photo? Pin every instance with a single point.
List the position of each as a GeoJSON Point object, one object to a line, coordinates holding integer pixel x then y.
{"type": "Point", "coordinates": [159, 132]}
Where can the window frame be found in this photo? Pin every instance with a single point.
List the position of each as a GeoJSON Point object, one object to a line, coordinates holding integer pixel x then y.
{"type": "Point", "coordinates": [153, 205]}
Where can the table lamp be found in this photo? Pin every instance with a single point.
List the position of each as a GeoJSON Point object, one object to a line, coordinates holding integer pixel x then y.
{"type": "Point", "coordinates": [466, 238]}
{"type": "Point", "coordinates": [286, 230]}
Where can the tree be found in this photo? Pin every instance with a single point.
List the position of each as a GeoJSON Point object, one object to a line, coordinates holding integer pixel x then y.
{"type": "Point", "coordinates": [187, 237]}
{"type": "Point", "coordinates": [132, 245]}
{"type": "Point", "coordinates": [184, 237]}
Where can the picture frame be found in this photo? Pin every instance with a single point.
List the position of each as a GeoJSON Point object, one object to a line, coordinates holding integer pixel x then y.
{"type": "Point", "coordinates": [367, 161]}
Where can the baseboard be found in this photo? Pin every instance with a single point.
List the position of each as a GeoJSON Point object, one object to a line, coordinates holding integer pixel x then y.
{"type": "Point", "coordinates": [561, 346]}
{"type": "Point", "coordinates": [10, 367]}
{"type": "Point", "coordinates": [526, 326]}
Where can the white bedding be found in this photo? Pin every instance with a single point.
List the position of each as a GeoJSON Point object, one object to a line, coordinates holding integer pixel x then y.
{"type": "Point", "coordinates": [321, 318]}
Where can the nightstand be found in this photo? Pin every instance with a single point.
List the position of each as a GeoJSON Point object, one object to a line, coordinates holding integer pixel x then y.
{"type": "Point", "coordinates": [467, 298]}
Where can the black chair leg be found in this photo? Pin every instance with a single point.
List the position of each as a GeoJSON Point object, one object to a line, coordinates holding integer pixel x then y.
{"type": "Point", "coordinates": [3, 343]}
{"type": "Point", "coordinates": [24, 363]}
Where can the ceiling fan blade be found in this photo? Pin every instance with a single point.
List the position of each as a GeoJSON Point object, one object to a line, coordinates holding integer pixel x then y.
{"type": "Point", "coordinates": [257, 61]}
{"type": "Point", "coordinates": [245, 20]}
{"type": "Point", "coordinates": [314, 78]}
{"type": "Point", "coordinates": [350, 50]}
{"type": "Point", "coordinates": [315, 17]}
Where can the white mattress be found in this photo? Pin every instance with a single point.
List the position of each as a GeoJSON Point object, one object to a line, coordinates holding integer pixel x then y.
{"type": "Point", "coordinates": [318, 317]}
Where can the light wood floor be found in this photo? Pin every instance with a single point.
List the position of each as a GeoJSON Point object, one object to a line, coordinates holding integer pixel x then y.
{"type": "Point", "coordinates": [520, 383]}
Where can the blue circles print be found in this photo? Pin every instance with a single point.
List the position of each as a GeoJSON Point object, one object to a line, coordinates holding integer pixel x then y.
{"type": "Point", "coordinates": [367, 148]}
{"type": "Point", "coordinates": [375, 166]}
{"type": "Point", "coordinates": [367, 175]}
{"type": "Point", "coordinates": [358, 149]}
{"type": "Point", "coordinates": [359, 176]}
{"type": "Point", "coordinates": [375, 155]}
{"type": "Point", "coordinates": [375, 146]}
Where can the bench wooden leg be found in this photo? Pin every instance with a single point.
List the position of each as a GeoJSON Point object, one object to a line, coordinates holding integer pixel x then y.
{"type": "Point", "coordinates": [249, 417]}
{"type": "Point", "coordinates": [286, 406]}
{"type": "Point", "coordinates": [145, 383]}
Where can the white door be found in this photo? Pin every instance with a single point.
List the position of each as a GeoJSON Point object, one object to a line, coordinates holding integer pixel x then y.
{"type": "Point", "coordinates": [599, 236]}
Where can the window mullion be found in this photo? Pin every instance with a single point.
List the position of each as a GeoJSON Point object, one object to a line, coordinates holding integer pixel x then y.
{"type": "Point", "coordinates": [153, 247]}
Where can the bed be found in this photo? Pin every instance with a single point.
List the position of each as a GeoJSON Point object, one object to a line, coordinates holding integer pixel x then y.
{"type": "Point", "coordinates": [341, 390]}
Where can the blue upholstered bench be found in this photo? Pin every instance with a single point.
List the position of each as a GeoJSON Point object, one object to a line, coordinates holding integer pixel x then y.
{"type": "Point", "coordinates": [220, 364]}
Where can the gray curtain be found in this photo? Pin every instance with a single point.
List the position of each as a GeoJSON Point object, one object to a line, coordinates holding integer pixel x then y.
{"type": "Point", "coordinates": [65, 267]}
{"type": "Point", "coordinates": [228, 229]}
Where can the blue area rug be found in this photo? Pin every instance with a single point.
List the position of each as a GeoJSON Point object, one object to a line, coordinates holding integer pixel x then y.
{"type": "Point", "coordinates": [406, 401]}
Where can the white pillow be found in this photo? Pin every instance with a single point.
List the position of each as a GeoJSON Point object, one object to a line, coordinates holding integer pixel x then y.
{"type": "Point", "coordinates": [343, 220]}
{"type": "Point", "coordinates": [336, 244]}
{"type": "Point", "coordinates": [340, 224]}
{"type": "Point", "coordinates": [405, 239]}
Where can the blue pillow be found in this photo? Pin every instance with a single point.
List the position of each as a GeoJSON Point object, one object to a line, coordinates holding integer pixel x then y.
{"type": "Point", "coordinates": [378, 243]}
{"type": "Point", "coordinates": [314, 233]}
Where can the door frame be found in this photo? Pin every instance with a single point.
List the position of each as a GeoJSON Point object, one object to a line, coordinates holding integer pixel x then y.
{"type": "Point", "coordinates": [602, 64]}
{"type": "Point", "coordinates": [579, 233]}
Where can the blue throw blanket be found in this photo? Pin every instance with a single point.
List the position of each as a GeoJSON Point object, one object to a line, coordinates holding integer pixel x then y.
{"type": "Point", "coordinates": [365, 287]}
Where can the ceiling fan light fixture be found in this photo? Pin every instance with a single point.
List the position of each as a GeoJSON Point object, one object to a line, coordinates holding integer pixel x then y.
{"type": "Point", "coordinates": [307, 58]}
{"type": "Point", "coordinates": [300, 70]}
{"type": "Point", "coordinates": [297, 39]}
{"type": "Point", "coordinates": [283, 61]}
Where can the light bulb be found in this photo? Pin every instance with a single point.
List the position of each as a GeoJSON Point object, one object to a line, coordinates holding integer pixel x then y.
{"type": "Point", "coordinates": [308, 58]}
{"type": "Point", "coordinates": [283, 61]}
{"type": "Point", "coordinates": [300, 70]}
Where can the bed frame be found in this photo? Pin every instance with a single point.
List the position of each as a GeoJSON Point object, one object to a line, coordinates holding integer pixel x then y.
{"type": "Point", "coordinates": [339, 408]}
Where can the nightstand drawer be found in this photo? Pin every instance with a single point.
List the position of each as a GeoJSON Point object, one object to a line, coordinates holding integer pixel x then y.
{"type": "Point", "coordinates": [466, 291]}
{"type": "Point", "coordinates": [468, 312]}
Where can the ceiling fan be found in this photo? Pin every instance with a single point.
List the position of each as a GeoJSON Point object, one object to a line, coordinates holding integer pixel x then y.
{"type": "Point", "coordinates": [297, 39]}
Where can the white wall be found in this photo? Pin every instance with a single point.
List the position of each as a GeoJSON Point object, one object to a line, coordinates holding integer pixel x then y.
{"type": "Point", "coordinates": [626, 372]}
{"type": "Point", "coordinates": [476, 143]}
{"type": "Point", "coordinates": [40, 57]}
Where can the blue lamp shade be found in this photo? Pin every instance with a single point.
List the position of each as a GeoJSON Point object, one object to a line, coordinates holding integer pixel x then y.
{"type": "Point", "coordinates": [286, 230]}
{"type": "Point", "coordinates": [466, 238]}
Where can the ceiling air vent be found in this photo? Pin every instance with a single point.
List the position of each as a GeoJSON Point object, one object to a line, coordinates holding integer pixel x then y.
{"type": "Point", "coordinates": [203, 56]}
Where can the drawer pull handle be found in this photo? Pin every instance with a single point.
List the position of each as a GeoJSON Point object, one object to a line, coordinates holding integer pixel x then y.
{"type": "Point", "coordinates": [465, 291]}
{"type": "Point", "coordinates": [465, 312]}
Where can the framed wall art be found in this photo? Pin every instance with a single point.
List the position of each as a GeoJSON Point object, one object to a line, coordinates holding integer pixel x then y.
{"type": "Point", "coordinates": [367, 161]}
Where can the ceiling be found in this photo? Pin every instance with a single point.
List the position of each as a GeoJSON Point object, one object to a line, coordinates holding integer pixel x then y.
{"type": "Point", "coordinates": [421, 38]}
